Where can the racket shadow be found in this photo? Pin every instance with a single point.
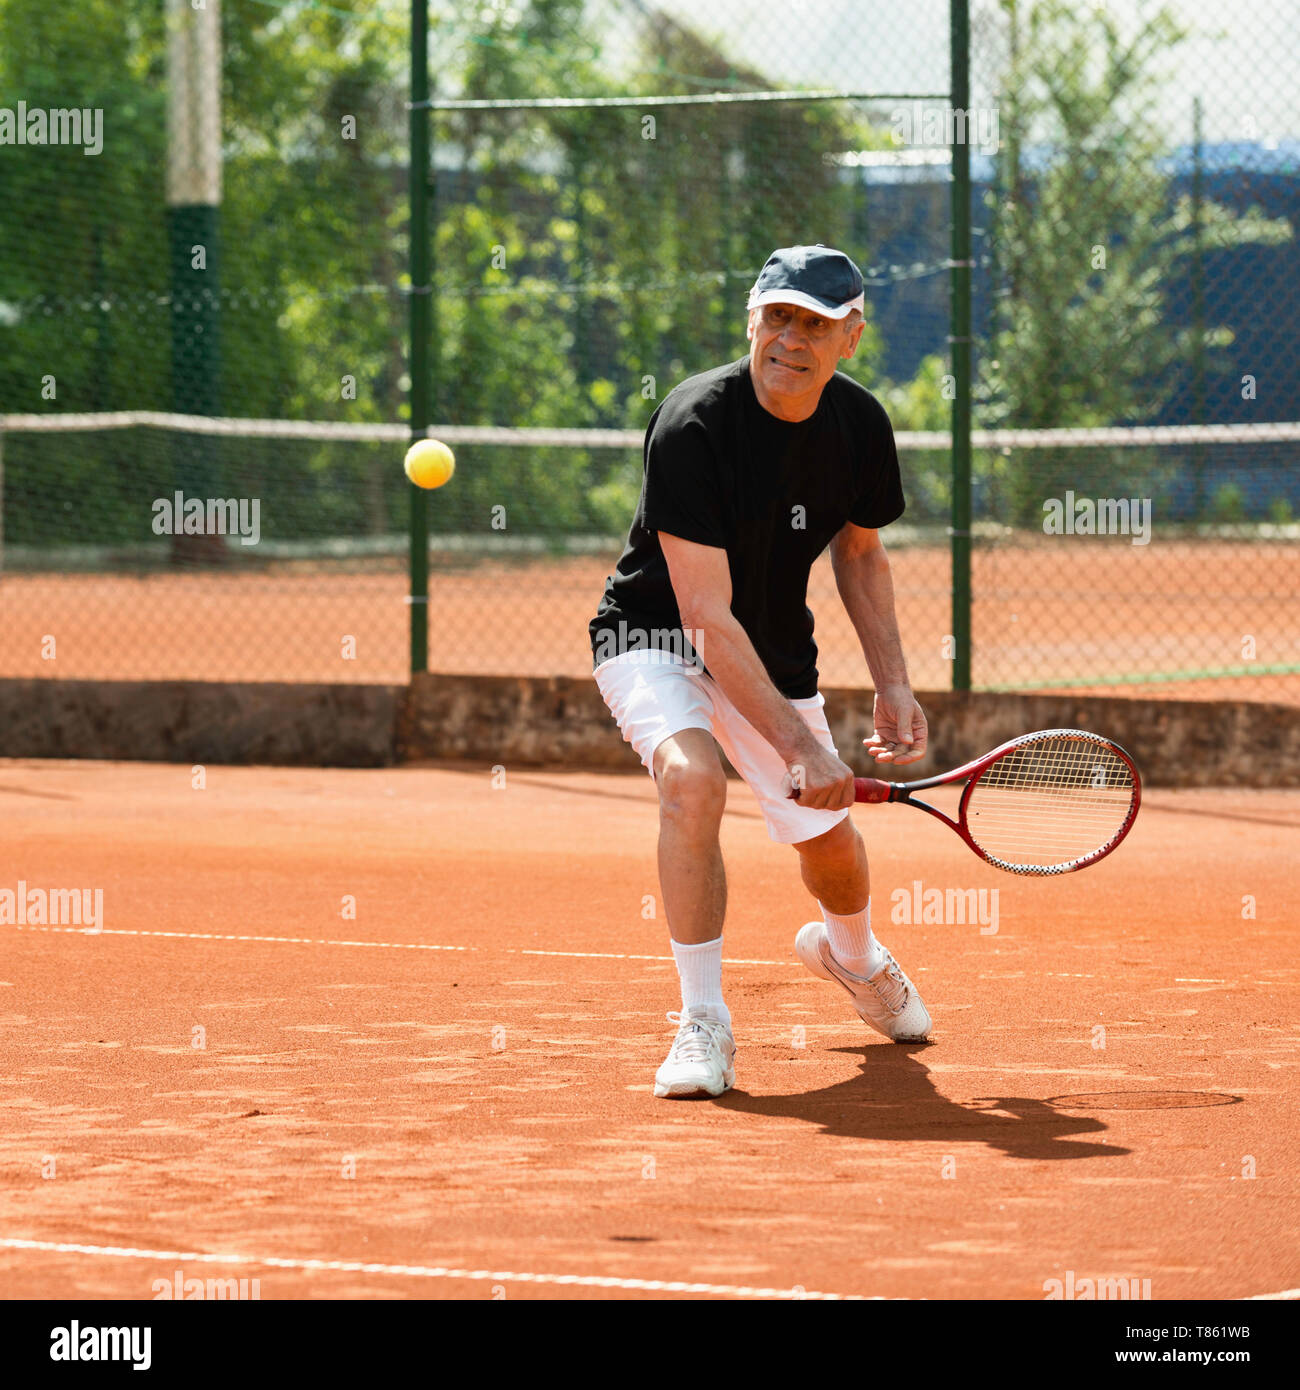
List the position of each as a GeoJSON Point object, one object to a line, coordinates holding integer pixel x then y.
{"type": "Point", "coordinates": [893, 1099]}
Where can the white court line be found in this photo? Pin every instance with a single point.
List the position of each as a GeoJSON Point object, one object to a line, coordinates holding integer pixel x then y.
{"type": "Point", "coordinates": [501, 1276]}
{"type": "Point", "coordinates": [379, 945]}
{"type": "Point", "coordinates": [217, 936]}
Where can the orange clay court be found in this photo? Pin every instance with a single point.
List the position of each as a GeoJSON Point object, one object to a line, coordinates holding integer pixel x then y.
{"type": "Point", "coordinates": [1171, 607]}
{"type": "Point", "coordinates": [449, 1095]}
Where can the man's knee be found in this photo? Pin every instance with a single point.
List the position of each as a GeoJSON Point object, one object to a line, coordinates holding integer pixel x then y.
{"type": "Point", "coordinates": [692, 785]}
{"type": "Point", "coordinates": [840, 846]}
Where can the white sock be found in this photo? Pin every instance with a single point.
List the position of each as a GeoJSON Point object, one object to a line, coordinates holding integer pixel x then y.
{"type": "Point", "coordinates": [852, 943]}
{"type": "Point", "coordinates": [700, 971]}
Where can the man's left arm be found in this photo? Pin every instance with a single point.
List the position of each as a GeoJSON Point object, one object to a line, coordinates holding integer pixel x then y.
{"type": "Point", "coordinates": [867, 588]}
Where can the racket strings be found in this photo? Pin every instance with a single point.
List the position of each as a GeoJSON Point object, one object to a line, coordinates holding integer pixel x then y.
{"type": "Point", "coordinates": [1050, 802]}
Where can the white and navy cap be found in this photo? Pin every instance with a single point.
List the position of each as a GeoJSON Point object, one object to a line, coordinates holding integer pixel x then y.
{"type": "Point", "coordinates": [814, 277]}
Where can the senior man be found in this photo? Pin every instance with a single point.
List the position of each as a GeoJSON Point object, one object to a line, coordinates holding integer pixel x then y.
{"type": "Point", "coordinates": [704, 638]}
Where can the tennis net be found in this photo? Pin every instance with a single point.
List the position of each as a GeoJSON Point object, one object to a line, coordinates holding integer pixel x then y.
{"type": "Point", "coordinates": [1155, 562]}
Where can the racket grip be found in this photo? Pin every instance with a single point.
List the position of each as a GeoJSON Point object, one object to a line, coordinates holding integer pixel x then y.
{"type": "Point", "coordinates": [871, 789]}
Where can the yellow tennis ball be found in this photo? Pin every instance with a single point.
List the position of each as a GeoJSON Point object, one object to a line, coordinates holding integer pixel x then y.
{"type": "Point", "coordinates": [429, 463]}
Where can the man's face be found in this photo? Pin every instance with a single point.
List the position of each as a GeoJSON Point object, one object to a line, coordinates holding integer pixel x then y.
{"type": "Point", "coordinates": [793, 354]}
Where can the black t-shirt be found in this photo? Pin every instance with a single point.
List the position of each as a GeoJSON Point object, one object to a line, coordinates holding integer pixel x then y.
{"type": "Point", "coordinates": [721, 471]}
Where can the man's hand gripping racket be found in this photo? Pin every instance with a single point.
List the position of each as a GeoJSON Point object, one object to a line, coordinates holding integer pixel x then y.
{"type": "Point", "coordinates": [1044, 803]}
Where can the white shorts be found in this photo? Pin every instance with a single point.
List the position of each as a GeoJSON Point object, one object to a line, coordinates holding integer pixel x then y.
{"type": "Point", "coordinates": [655, 694]}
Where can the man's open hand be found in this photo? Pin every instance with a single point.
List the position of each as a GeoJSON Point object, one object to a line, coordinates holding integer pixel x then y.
{"type": "Point", "coordinates": [900, 728]}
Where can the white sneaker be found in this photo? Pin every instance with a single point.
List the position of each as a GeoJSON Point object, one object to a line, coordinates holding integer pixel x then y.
{"type": "Point", "coordinates": [702, 1056]}
{"type": "Point", "coordinates": [888, 1001]}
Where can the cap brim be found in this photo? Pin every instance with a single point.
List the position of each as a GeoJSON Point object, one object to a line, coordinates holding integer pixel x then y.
{"type": "Point", "coordinates": [806, 301]}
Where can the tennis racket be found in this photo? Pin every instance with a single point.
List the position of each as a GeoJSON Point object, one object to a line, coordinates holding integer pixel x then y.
{"type": "Point", "coordinates": [1045, 803]}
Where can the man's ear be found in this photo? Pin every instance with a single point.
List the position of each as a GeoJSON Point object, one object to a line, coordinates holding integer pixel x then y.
{"type": "Point", "coordinates": [749, 325]}
{"type": "Point", "coordinates": [852, 345]}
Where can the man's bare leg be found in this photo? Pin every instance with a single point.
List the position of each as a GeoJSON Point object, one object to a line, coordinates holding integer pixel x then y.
{"type": "Point", "coordinates": [692, 796]}
{"type": "Point", "coordinates": [834, 869]}
{"type": "Point", "coordinates": [693, 883]}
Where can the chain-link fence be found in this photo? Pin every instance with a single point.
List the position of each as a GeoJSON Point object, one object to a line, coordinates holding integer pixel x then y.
{"type": "Point", "coordinates": [1140, 267]}
{"type": "Point", "coordinates": [606, 180]}
{"type": "Point", "coordinates": [203, 212]}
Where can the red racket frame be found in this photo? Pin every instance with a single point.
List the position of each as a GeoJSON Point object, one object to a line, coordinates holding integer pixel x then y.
{"type": "Point", "coordinates": [875, 790]}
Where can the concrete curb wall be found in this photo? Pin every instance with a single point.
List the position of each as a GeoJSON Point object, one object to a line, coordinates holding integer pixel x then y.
{"type": "Point", "coordinates": [524, 721]}
{"type": "Point", "coordinates": [1186, 743]}
{"type": "Point", "coordinates": [511, 719]}
{"type": "Point", "coordinates": [201, 722]}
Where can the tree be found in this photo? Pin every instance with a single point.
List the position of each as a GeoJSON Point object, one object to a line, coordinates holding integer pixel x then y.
{"type": "Point", "coordinates": [1088, 238]}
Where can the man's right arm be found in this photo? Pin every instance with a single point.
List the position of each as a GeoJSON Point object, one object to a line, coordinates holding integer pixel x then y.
{"type": "Point", "coordinates": [701, 580]}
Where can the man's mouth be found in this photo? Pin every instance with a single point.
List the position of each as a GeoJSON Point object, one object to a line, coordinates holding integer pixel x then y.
{"type": "Point", "coordinates": [792, 366]}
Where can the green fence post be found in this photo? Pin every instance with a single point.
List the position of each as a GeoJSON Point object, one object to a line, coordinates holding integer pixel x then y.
{"type": "Point", "coordinates": [960, 341]}
{"type": "Point", "coordinates": [194, 175]}
{"type": "Point", "coordinates": [1199, 452]}
{"type": "Point", "coordinates": [421, 307]}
